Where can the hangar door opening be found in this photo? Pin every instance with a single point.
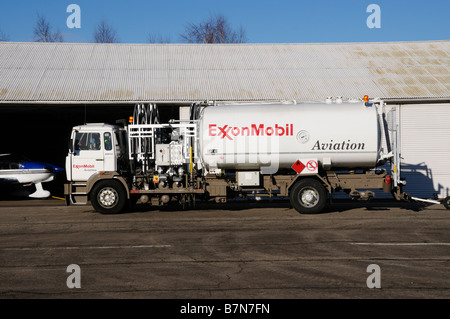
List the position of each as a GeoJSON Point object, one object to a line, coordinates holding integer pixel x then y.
{"type": "Point", "coordinates": [425, 149]}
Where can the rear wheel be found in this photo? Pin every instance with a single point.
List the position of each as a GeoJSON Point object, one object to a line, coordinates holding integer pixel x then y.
{"type": "Point", "coordinates": [108, 197]}
{"type": "Point", "coordinates": [446, 202]}
{"type": "Point", "coordinates": [308, 196]}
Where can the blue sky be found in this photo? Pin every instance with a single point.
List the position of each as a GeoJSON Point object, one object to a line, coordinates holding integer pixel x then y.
{"type": "Point", "coordinates": [281, 21]}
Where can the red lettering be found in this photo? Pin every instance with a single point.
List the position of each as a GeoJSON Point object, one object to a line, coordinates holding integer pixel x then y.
{"type": "Point", "coordinates": [277, 130]}
{"type": "Point", "coordinates": [212, 129]}
{"type": "Point", "coordinates": [225, 131]}
{"type": "Point", "coordinates": [83, 166]}
{"type": "Point", "coordinates": [255, 130]}
{"type": "Point", "coordinates": [236, 131]}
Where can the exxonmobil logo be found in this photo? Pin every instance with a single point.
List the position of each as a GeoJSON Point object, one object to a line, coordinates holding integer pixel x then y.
{"type": "Point", "coordinates": [230, 132]}
{"type": "Point", "coordinates": [83, 166]}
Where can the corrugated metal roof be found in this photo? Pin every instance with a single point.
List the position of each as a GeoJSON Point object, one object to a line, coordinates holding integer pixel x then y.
{"type": "Point", "coordinates": [90, 73]}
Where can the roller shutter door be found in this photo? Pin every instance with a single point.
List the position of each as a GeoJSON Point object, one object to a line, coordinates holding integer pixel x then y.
{"type": "Point", "coordinates": [425, 149]}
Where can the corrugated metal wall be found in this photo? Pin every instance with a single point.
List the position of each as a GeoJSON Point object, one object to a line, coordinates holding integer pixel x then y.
{"type": "Point", "coordinates": [425, 149]}
{"type": "Point", "coordinates": [92, 73]}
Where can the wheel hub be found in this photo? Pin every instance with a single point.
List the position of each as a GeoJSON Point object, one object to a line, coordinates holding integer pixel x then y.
{"type": "Point", "coordinates": [107, 197]}
{"type": "Point", "coordinates": [309, 197]}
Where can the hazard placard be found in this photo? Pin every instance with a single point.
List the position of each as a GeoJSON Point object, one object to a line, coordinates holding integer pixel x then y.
{"type": "Point", "coordinates": [311, 166]}
{"type": "Point", "coordinates": [298, 166]}
{"type": "Point", "coordinates": [306, 166]}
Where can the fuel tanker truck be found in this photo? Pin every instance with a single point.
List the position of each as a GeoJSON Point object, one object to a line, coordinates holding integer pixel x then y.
{"type": "Point", "coordinates": [304, 152]}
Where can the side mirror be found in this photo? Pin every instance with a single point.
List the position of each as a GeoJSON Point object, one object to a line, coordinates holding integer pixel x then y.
{"type": "Point", "coordinates": [71, 146]}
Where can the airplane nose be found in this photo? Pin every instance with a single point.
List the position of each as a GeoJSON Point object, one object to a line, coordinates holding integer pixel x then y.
{"type": "Point", "coordinates": [58, 169]}
{"type": "Point", "coordinates": [55, 169]}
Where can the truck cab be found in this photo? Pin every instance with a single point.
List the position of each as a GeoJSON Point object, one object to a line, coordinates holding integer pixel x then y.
{"type": "Point", "coordinates": [93, 167]}
{"type": "Point", "coordinates": [92, 148]}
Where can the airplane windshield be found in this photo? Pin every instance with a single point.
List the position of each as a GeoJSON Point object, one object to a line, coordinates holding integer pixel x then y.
{"type": "Point", "coordinates": [12, 161]}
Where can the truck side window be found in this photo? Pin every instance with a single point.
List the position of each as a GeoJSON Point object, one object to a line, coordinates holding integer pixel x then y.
{"type": "Point", "coordinates": [87, 141]}
{"type": "Point", "coordinates": [107, 139]}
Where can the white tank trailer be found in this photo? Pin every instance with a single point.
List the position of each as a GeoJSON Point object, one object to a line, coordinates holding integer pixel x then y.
{"type": "Point", "coordinates": [255, 137]}
{"type": "Point", "coordinates": [305, 152]}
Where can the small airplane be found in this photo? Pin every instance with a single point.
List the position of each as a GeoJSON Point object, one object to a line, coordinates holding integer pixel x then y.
{"type": "Point", "coordinates": [18, 171]}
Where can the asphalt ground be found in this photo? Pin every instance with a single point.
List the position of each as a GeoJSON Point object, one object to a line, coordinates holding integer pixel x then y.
{"type": "Point", "coordinates": [242, 250]}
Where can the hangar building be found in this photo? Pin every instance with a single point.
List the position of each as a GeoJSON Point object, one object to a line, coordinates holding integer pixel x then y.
{"type": "Point", "coordinates": [46, 88]}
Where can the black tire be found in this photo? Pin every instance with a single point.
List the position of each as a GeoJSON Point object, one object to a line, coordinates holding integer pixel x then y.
{"type": "Point", "coordinates": [108, 197]}
{"type": "Point", "coordinates": [308, 196]}
{"type": "Point", "coordinates": [446, 202]}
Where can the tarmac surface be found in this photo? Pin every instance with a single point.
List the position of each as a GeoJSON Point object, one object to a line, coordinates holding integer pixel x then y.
{"type": "Point", "coordinates": [252, 250]}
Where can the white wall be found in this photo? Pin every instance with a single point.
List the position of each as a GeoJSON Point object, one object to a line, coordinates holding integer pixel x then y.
{"type": "Point", "coordinates": [425, 149]}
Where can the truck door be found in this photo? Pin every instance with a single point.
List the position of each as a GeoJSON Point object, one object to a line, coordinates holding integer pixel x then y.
{"type": "Point", "coordinates": [88, 155]}
{"type": "Point", "coordinates": [109, 148]}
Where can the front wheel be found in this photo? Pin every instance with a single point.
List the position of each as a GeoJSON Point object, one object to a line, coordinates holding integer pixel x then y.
{"type": "Point", "coordinates": [446, 202]}
{"type": "Point", "coordinates": [308, 196]}
{"type": "Point", "coordinates": [108, 197]}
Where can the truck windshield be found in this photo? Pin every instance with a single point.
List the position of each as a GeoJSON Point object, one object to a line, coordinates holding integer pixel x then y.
{"type": "Point", "coordinates": [87, 141]}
